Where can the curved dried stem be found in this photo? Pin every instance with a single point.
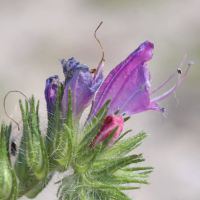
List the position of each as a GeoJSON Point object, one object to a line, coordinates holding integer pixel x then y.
{"type": "Point", "coordinates": [98, 40]}
{"type": "Point", "coordinates": [4, 105]}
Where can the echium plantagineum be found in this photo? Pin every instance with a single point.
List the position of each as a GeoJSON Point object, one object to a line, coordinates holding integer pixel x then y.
{"type": "Point", "coordinates": [127, 85]}
{"type": "Point", "coordinates": [96, 152]}
{"type": "Point", "coordinates": [101, 159]}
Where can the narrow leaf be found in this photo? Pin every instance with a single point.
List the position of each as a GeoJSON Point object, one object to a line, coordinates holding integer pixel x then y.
{"type": "Point", "coordinates": [65, 161]}
{"type": "Point", "coordinates": [97, 117]}
{"type": "Point", "coordinates": [14, 193]}
{"type": "Point", "coordinates": [109, 138]}
{"type": "Point", "coordinates": [127, 118]}
{"type": "Point", "coordinates": [69, 117]}
{"type": "Point", "coordinates": [119, 138]}
{"type": "Point", "coordinates": [43, 171]}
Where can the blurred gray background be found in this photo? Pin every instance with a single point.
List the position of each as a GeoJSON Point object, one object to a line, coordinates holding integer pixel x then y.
{"type": "Point", "coordinates": [34, 35]}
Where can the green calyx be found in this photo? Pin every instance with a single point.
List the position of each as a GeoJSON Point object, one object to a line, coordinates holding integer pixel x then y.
{"type": "Point", "coordinates": [32, 164]}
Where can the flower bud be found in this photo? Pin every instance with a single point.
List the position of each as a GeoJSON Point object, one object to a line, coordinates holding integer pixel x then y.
{"type": "Point", "coordinates": [110, 123]}
{"type": "Point", "coordinates": [82, 84]}
{"type": "Point", "coordinates": [51, 92]}
{"type": "Point", "coordinates": [32, 158]}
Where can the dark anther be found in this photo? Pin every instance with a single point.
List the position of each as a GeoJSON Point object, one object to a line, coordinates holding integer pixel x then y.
{"type": "Point", "coordinates": [179, 71]}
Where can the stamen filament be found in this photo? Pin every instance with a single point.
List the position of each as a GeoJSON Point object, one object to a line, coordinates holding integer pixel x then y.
{"type": "Point", "coordinates": [166, 94]}
{"type": "Point", "coordinates": [169, 77]}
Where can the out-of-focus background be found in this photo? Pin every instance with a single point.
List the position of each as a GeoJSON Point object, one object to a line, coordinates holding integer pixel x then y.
{"type": "Point", "coordinates": [34, 35]}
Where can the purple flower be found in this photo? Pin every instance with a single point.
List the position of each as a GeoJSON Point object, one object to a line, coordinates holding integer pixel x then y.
{"type": "Point", "coordinates": [128, 85]}
{"type": "Point", "coordinates": [51, 92]}
{"type": "Point", "coordinates": [82, 84]}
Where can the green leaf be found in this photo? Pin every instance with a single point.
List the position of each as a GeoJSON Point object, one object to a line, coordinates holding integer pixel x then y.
{"type": "Point", "coordinates": [43, 171]}
{"type": "Point", "coordinates": [130, 174]}
{"type": "Point", "coordinates": [27, 185]}
{"type": "Point", "coordinates": [14, 192]}
{"type": "Point", "coordinates": [100, 185]}
{"type": "Point", "coordinates": [37, 116]}
{"type": "Point", "coordinates": [22, 168]}
{"type": "Point", "coordinates": [117, 112]}
{"type": "Point", "coordinates": [83, 196]}
{"type": "Point", "coordinates": [36, 162]}
{"type": "Point", "coordinates": [125, 146]}
{"type": "Point", "coordinates": [86, 167]}
{"type": "Point", "coordinates": [111, 194]}
{"type": "Point", "coordinates": [32, 165]}
{"type": "Point", "coordinates": [137, 168]}
{"type": "Point", "coordinates": [121, 180]}
{"type": "Point", "coordinates": [119, 138]}
{"type": "Point", "coordinates": [39, 187]}
{"type": "Point", "coordinates": [8, 133]}
{"type": "Point", "coordinates": [65, 155]}
{"type": "Point", "coordinates": [89, 112]}
{"type": "Point", "coordinates": [97, 117]}
{"type": "Point", "coordinates": [65, 161]}
{"type": "Point", "coordinates": [69, 117]}
{"type": "Point", "coordinates": [55, 130]}
{"type": "Point", "coordinates": [115, 165]}
{"type": "Point", "coordinates": [104, 163]}
{"type": "Point", "coordinates": [109, 138]}
{"type": "Point", "coordinates": [127, 118]}
{"type": "Point", "coordinates": [5, 169]}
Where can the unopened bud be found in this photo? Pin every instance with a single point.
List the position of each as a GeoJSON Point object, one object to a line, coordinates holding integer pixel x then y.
{"type": "Point", "coordinates": [110, 123]}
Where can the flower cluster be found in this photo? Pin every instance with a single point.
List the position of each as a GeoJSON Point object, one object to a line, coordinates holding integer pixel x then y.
{"type": "Point", "coordinates": [100, 158]}
{"type": "Point", "coordinates": [127, 85]}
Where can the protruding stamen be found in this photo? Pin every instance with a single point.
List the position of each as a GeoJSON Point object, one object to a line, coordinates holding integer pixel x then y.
{"type": "Point", "coordinates": [4, 105]}
{"type": "Point", "coordinates": [179, 68]}
{"type": "Point", "coordinates": [166, 94]}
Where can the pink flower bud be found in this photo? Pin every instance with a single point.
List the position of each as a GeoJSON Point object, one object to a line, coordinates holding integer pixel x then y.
{"type": "Point", "coordinates": [110, 123]}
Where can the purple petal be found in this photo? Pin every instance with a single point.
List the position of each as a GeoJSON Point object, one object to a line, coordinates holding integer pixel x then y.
{"type": "Point", "coordinates": [82, 85]}
{"type": "Point", "coordinates": [127, 84]}
{"type": "Point", "coordinates": [51, 92]}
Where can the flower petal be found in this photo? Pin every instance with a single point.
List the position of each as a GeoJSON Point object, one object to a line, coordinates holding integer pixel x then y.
{"type": "Point", "coordinates": [51, 92]}
{"type": "Point", "coordinates": [82, 85]}
{"type": "Point", "coordinates": [127, 84]}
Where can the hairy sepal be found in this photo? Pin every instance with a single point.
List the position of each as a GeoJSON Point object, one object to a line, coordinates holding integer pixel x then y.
{"type": "Point", "coordinates": [55, 130]}
{"type": "Point", "coordinates": [35, 151]}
